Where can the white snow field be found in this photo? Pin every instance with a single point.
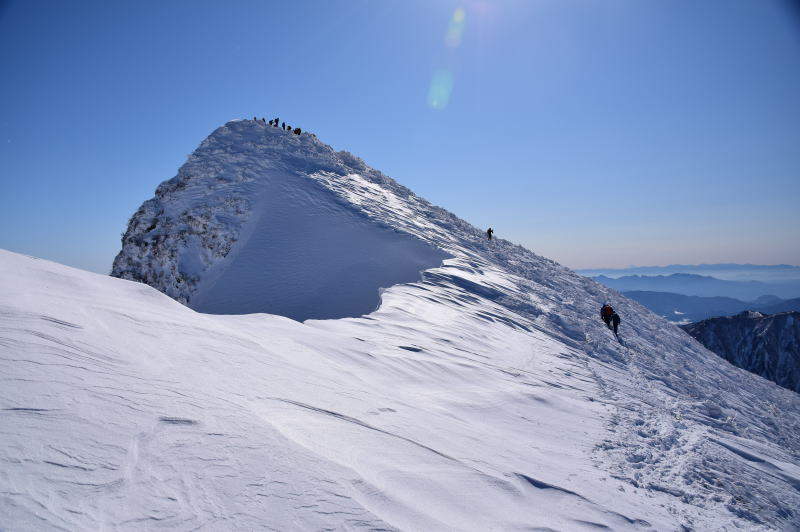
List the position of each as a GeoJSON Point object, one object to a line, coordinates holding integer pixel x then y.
{"type": "Point", "coordinates": [484, 393]}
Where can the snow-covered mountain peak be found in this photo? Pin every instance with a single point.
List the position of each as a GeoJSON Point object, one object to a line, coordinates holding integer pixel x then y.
{"type": "Point", "coordinates": [262, 220]}
{"type": "Point", "coordinates": [482, 393]}
{"type": "Point", "coordinates": [251, 224]}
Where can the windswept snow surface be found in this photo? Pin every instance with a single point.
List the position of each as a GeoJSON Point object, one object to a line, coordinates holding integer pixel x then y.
{"type": "Point", "coordinates": [309, 259]}
{"type": "Point", "coordinates": [248, 226]}
{"type": "Point", "coordinates": [486, 395]}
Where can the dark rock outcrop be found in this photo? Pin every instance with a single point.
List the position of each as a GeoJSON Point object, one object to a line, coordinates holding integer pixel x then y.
{"type": "Point", "coordinates": [767, 345]}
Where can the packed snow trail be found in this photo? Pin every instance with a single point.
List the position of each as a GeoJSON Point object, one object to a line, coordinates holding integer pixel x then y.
{"type": "Point", "coordinates": [485, 395]}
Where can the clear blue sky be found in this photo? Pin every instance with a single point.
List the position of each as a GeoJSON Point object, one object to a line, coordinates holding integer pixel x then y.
{"type": "Point", "coordinates": [597, 133]}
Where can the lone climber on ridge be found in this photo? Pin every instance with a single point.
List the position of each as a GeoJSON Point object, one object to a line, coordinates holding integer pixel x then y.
{"type": "Point", "coordinates": [605, 314]}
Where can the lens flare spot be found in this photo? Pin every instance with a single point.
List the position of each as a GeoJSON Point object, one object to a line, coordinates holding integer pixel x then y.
{"type": "Point", "coordinates": [441, 87]}
{"type": "Point", "coordinates": [455, 29]}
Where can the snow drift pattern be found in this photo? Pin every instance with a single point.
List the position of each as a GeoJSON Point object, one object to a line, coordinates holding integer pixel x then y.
{"type": "Point", "coordinates": [487, 395]}
{"type": "Point", "coordinates": [247, 226]}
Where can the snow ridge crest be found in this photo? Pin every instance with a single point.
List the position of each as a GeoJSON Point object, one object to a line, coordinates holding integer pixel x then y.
{"type": "Point", "coordinates": [196, 217]}
{"type": "Point", "coordinates": [254, 201]}
{"type": "Point", "coordinates": [492, 371]}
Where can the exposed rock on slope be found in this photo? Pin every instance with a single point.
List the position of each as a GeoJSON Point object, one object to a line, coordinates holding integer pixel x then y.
{"type": "Point", "coordinates": [767, 345]}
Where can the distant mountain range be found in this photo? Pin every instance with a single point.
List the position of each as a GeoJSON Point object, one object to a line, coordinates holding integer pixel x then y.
{"type": "Point", "coordinates": [747, 314]}
{"type": "Point", "coordinates": [765, 345]}
{"type": "Point", "coordinates": [680, 308]}
{"type": "Point", "coordinates": [728, 272]}
{"type": "Point", "coordinates": [703, 285]}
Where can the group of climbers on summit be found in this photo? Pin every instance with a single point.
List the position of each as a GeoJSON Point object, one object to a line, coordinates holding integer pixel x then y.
{"type": "Point", "coordinates": [609, 317]}
{"type": "Point", "coordinates": [274, 123]}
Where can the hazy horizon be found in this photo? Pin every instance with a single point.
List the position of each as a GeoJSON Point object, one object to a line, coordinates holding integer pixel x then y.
{"type": "Point", "coordinates": [775, 274]}
{"type": "Point", "coordinates": [678, 265]}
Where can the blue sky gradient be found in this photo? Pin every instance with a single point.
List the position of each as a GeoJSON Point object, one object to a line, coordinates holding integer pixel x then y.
{"type": "Point", "coordinates": [597, 133]}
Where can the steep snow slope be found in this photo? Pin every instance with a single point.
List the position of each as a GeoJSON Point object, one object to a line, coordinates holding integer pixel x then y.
{"type": "Point", "coordinates": [767, 345]}
{"type": "Point", "coordinates": [288, 246]}
{"type": "Point", "coordinates": [486, 395]}
{"type": "Point", "coordinates": [444, 410]}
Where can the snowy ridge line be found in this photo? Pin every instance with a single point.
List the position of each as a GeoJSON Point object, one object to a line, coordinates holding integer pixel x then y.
{"type": "Point", "coordinates": [495, 360]}
{"type": "Point", "coordinates": [242, 225]}
{"type": "Point", "coordinates": [535, 279]}
{"type": "Point", "coordinates": [380, 337]}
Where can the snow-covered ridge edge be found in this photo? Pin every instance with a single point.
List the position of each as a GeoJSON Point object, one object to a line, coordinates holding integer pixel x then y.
{"type": "Point", "coordinates": [172, 241]}
{"type": "Point", "coordinates": [684, 398]}
{"type": "Point", "coordinates": [684, 435]}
